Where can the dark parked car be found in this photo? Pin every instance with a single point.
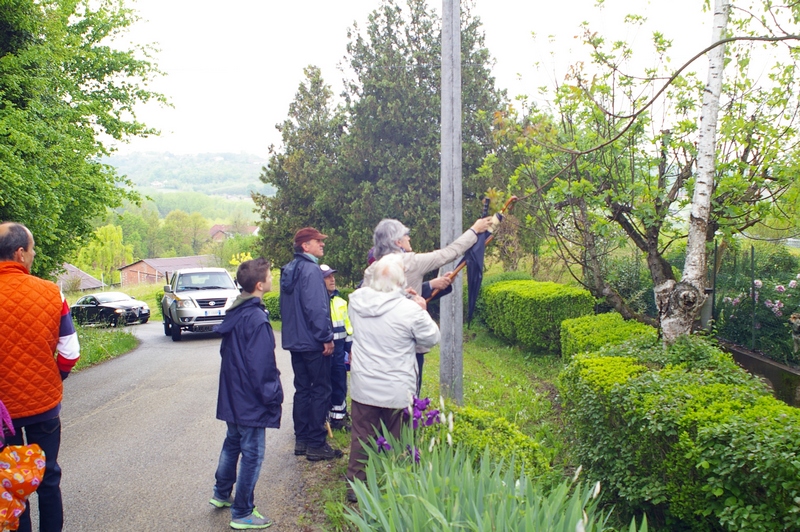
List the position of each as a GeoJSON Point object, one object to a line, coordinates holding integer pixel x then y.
{"type": "Point", "coordinates": [110, 308]}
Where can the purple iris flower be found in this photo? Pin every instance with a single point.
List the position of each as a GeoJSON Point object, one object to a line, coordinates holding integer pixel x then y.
{"type": "Point", "coordinates": [432, 417]}
{"type": "Point", "coordinates": [383, 445]}
{"type": "Point", "coordinates": [415, 451]}
{"type": "Point", "coordinates": [421, 404]}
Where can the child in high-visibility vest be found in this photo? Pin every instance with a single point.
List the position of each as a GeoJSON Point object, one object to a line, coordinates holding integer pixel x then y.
{"type": "Point", "coordinates": [342, 342]}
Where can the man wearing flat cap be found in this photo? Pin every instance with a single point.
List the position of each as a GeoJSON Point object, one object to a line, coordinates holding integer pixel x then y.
{"type": "Point", "coordinates": [307, 334]}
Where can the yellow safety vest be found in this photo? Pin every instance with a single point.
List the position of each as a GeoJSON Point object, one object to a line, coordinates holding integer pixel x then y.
{"type": "Point", "coordinates": [342, 330]}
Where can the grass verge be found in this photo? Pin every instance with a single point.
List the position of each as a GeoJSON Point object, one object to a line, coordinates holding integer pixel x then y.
{"type": "Point", "coordinates": [505, 380]}
{"type": "Point", "coordinates": [99, 344]}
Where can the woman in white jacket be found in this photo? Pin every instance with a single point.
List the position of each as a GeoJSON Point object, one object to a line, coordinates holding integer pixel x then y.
{"type": "Point", "coordinates": [388, 329]}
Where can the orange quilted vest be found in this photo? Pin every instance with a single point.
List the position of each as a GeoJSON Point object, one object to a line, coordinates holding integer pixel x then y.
{"type": "Point", "coordinates": [30, 315]}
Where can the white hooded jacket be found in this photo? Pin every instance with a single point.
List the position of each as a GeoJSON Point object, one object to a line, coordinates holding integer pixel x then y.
{"type": "Point", "coordinates": [388, 330]}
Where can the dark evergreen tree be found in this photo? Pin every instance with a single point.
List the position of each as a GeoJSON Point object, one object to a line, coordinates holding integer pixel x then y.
{"type": "Point", "coordinates": [301, 170]}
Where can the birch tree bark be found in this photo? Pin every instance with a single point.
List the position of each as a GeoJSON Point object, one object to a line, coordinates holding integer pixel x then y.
{"type": "Point", "coordinates": [679, 303]}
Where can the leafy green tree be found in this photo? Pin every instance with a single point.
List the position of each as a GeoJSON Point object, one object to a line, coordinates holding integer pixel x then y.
{"type": "Point", "coordinates": [197, 230]}
{"type": "Point", "coordinates": [140, 227]}
{"type": "Point", "coordinates": [616, 173]}
{"type": "Point", "coordinates": [235, 246]}
{"type": "Point", "coordinates": [64, 89]}
{"type": "Point", "coordinates": [174, 238]}
{"type": "Point", "coordinates": [104, 254]}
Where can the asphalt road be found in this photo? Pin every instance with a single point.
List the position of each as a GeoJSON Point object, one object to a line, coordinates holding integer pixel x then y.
{"type": "Point", "coordinates": [140, 441]}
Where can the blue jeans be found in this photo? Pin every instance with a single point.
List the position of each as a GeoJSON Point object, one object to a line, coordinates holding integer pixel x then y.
{"type": "Point", "coordinates": [47, 435]}
{"type": "Point", "coordinates": [249, 443]}
{"type": "Point", "coordinates": [312, 396]}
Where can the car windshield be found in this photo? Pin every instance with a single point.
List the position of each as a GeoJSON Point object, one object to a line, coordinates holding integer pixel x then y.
{"type": "Point", "coordinates": [205, 281]}
{"type": "Point", "coordinates": [108, 297]}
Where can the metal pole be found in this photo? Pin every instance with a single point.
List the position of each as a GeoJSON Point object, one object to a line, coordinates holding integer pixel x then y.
{"type": "Point", "coordinates": [451, 374]}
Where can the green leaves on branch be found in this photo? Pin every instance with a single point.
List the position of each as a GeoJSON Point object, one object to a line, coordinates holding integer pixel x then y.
{"type": "Point", "coordinates": [64, 90]}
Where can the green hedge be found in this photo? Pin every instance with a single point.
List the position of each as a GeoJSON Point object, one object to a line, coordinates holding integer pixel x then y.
{"type": "Point", "coordinates": [478, 429]}
{"type": "Point", "coordinates": [272, 302]}
{"type": "Point", "coordinates": [590, 333]}
{"type": "Point", "coordinates": [489, 280]}
{"type": "Point", "coordinates": [530, 313]}
{"type": "Point", "coordinates": [686, 435]}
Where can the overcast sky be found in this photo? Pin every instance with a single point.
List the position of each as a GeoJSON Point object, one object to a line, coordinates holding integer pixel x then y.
{"type": "Point", "coordinates": [233, 68]}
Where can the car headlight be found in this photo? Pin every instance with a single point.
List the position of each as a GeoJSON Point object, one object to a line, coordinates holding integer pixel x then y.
{"type": "Point", "coordinates": [145, 307]}
{"type": "Point", "coordinates": [120, 311]}
{"type": "Point", "coordinates": [184, 303]}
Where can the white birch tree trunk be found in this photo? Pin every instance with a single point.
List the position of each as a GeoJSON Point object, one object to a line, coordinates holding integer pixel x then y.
{"type": "Point", "coordinates": [679, 303]}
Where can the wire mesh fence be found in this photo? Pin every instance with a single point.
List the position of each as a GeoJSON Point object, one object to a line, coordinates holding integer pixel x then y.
{"type": "Point", "coordinates": [756, 301]}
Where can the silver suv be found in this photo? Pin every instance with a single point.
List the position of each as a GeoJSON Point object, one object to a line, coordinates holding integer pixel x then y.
{"type": "Point", "coordinates": [196, 299]}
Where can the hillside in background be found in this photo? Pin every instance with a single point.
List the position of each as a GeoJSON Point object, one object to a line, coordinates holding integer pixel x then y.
{"type": "Point", "coordinates": [214, 174]}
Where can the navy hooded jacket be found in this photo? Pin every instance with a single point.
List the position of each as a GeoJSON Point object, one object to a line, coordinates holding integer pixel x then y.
{"type": "Point", "coordinates": [305, 306]}
{"type": "Point", "coordinates": [250, 391]}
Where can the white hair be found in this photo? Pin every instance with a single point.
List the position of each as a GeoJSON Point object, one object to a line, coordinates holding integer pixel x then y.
{"type": "Point", "coordinates": [388, 274]}
{"type": "Point", "coordinates": [385, 237]}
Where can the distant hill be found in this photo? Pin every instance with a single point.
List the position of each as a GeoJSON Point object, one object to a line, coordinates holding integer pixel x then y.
{"type": "Point", "coordinates": [233, 175]}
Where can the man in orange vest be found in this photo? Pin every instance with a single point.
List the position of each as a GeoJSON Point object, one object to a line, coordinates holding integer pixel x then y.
{"type": "Point", "coordinates": [38, 348]}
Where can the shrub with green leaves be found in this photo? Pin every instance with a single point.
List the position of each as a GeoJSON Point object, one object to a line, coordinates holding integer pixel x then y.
{"type": "Point", "coordinates": [449, 488]}
{"type": "Point", "coordinates": [629, 276]}
{"type": "Point", "coordinates": [685, 434]}
{"type": "Point", "coordinates": [272, 302]}
{"type": "Point", "coordinates": [478, 429]}
{"type": "Point", "coordinates": [530, 313]}
{"type": "Point", "coordinates": [590, 333]}
{"type": "Point", "coordinates": [344, 293]}
{"type": "Point", "coordinates": [741, 312]}
{"type": "Point", "coordinates": [489, 280]}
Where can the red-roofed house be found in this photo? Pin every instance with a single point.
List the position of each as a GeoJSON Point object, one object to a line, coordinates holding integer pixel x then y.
{"type": "Point", "coordinates": [159, 270]}
{"type": "Point", "coordinates": [220, 232]}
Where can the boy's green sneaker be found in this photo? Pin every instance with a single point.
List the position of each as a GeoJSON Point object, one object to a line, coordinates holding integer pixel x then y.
{"type": "Point", "coordinates": [254, 520]}
{"type": "Point", "coordinates": [220, 503]}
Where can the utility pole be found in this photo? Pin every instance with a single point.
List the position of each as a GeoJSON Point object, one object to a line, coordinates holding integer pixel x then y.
{"type": "Point", "coordinates": [451, 365]}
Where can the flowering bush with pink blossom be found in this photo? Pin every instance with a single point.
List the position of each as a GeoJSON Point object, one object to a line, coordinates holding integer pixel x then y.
{"type": "Point", "coordinates": [775, 300]}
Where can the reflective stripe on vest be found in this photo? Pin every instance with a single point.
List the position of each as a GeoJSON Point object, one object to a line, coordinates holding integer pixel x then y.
{"type": "Point", "coordinates": [340, 320]}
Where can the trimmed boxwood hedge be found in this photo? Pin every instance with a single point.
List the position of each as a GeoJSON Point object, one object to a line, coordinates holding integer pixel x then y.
{"type": "Point", "coordinates": [271, 301]}
{"type": "Point", "coordinates": [590, 333]}
{"type": "Point", "coordinates": [530, 313]}
{"type": "Point", "coordinates": [686, 435]}
{"type": "Point", "coordinates": [479, 429]}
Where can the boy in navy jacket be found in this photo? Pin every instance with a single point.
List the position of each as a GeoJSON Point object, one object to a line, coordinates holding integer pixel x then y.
{"type": "Point", "coordinates": [250, 395]}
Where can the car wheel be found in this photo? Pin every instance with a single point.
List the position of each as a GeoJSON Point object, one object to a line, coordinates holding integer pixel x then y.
{"type": "Point", "coordinates": [113, 321]}
{"type": "Point", "coordinates": [176, 332]}
{"type": "Point", "coordinates": [143, 320]}
{"type": "Point", "coordinates": [167, 327]}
